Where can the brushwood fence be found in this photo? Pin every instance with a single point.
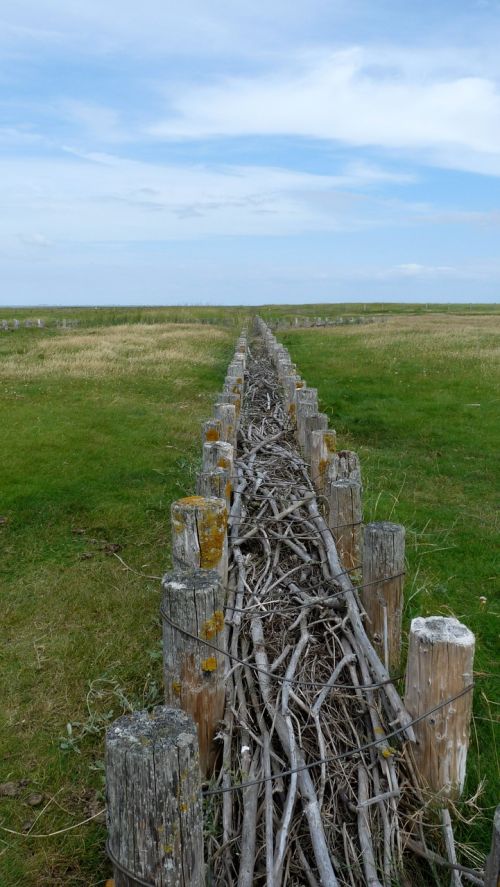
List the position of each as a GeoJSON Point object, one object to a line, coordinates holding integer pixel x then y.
{"type": "Point", "coordinates": [249, 774]}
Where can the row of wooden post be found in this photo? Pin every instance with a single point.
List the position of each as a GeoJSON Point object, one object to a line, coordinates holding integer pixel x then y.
{"type": "Point", "coordinates": [441, 649]}
{"type": "Point", "coordinates": [156, 761]}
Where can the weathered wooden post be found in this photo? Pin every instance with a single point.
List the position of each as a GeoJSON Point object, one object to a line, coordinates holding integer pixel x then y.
{"type": "Point", "coordinates": [316, 422]}
{"type": "Point", "coordinates": [193, 612]}
{"type": "Point", "coordinates": [440, 660]}
{"type": "Point", "coordinates": [306, 405]}
{"type": "Point", "coordinates": [322, 448]}
{"type": "Point", "coordinates": [226, 412]}
{"type": "Point", "coordinates": [492, 870]}
{"type": "Point", "coordinates": [199, 534]}
{"type": "Point", "coordinates": [344, 519]}
{"type": "Point", "coordinates": [211, 431]}
{"type": "Point", "coordinates": [218, 454]}
{"type": "Point", "coordinates": [344, 464]}
{"type": "Point", "coordinates": [217, 483]}
{"type": "Point", "coordinates": [154, 810]}
{"type": "Point", "coordinates": [382, 590]}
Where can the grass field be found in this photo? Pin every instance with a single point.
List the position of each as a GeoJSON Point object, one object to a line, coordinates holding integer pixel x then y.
{"type": "Point", "coordinates": [100, 432]}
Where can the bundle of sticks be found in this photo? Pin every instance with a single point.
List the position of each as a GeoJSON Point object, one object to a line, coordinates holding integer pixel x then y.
{"type": "Point", "coordinates": [316, 785]}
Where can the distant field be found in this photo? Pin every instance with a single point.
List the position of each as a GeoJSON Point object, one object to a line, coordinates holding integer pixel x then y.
{"type": "Point", "coordinates": [419, 398]}
{"type": "Point", "coordinates": [100, 432]}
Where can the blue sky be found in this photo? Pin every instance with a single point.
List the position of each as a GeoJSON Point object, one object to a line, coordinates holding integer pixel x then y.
{"type": "Point", "coordinates": [228, 151]}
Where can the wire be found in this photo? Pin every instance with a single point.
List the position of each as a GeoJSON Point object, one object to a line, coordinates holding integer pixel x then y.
{"type": "Point", "coordinates": [270, 674]}
{"type": "Point", "coordinates": [343, 755]}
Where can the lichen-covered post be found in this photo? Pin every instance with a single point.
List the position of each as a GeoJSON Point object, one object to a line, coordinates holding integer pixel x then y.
{"type": "Point", "coordinates": [344, 465]}
{"type": "Point", "coordinates": [199, 534]}
{"type": "Point", "coordinates": [440, 663]}
{"type": "Point", "coordinates": [218, 454]}
{"type": "Point", "coordinates": [217, 483]}
{"type": "Point", "coordinates": [322, 445]}
{"type": "Point", "coordinates": [154, 810]}
{"type": "Point", "coordinates": [344, 520]}
{"type": "Point", "coordinates": [382, 591]}
{"type": "Point", "coordinates": [211, 431]}
{"type": "Point", "coordinates": [226, 412]}
{"type": "Point", "coordinates": [193, 613]}
{"type": "Point", "coordinates": [306, 400]}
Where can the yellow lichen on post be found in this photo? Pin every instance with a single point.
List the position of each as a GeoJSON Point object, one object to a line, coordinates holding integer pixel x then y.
{"type": "Point", "coordinates": [199, 534]}
{"type": "Point", "coordinates": [212, 525]}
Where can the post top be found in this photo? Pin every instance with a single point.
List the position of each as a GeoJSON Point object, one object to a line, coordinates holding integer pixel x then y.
{"type": "Point", "coordinates": [384, 526]}
{"type": "Point", "coordinates": [189, 579]}
{"type": "Point", "coordinates": [161, 728]}
{"type": "Point", "coordinates": [442, 630]}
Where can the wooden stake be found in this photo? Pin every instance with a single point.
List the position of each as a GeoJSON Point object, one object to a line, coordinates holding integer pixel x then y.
{"type": "Point", "coordinates": [322, 448]}
{"type": "Point", "coordinates": [344, 464]}
{"type": "Point", "coordinates": [440, 659]}
{"type": "Point", "coordinates": [217, 483]}
{"type": "Point", "coordinates": [492, 872]}
{"type": "Point", "coordinates": [211, 431]}
{"type": "Point", "coordinates": [226, 412]}
{"type": "Point", "coordinates": [316, 422]}
{"type": "Point", "coordinates": [199, 534]}
{"type": "Point", "coordinates": [218, 455]}
{"type": "Point", "coordinates": [384, 556]}
{"type": "Point", "coordinates": [307, 405]}
{"type": "Point", "coordinates": [193, 672]}
{"type": "Point", "coordinates": [344, 520]}
{"type": "Point", "coordinates": [153, 787]}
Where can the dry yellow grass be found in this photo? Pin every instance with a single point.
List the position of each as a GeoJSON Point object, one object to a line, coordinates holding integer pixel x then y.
{"type": "Point", "coordinates": [448, 337]}
{"type": "Point", "coordinates": [157, 349]}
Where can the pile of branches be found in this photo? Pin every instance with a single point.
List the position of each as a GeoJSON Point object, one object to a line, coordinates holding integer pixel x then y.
{"type": "Point", "coordinates": [316, 784]}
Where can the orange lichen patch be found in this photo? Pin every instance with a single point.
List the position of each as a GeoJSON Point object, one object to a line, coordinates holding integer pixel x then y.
{"type": "Point", "coordinates": [330, 441]}
{"type": "Point", "coordinates": [299, 384]}
{"type": "Point", "coordinates": [229, 489]}
{"type": "Point", "coordinates": [218, 618]}
{"type": "Point", "coordinates": [209, 664]}
{"type": "Point", "coordinates": [212, 523]}
{"type": "Point", "coordinates": [212, 435]}
{"type": "Point", "coordinates": [291, 409]}
{"type": "Point", "coordinates": [223, 463]}
{"type": "Point", "coordinates": [322, 467]}
{"type": "Point", "coordinates": [176, 687]}
{"type": "Point", "coordinates": [191, 500]}
{"type": "Point", "coordinates": [213, 625]}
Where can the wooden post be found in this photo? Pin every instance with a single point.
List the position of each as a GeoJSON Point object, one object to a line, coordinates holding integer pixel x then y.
{"type": "Point", "coordinates": [322, 448]}
{"type": "Point", "coordinates": [226, 412]}
{"type": "Point", "coordinates": [153, 787]}
{"type": "Point", "coordinates": [492, 871]}
{"type": "Point", "coordinates": [344, 464]}
{"type": "Point", "coordinates": [199, 534]}
{"type": "Point", "coordinates": [382, 598]}
{"type": "Point", "coordinates": [344, 520]}
{"type": "Point", "coordinates": [307, 405]}
{"type": "Point", "coordinates": [217, 483]}
{"type": "Point", "coordinates": [316, 422]}
{"type": "Point", "coordinates": [194, 672]}
{"type": "Point", "coordinates": [218, 455]}
{"type": "Point", "coordinates": [211, 431]}
{"type": "Point", "coordinates": [440, 659]}
{"type": "Point", "coordinates": [227, 397]}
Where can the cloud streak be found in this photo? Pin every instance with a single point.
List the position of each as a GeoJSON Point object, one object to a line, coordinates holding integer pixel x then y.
{"type": "Point", "coordinates": [356, 97]}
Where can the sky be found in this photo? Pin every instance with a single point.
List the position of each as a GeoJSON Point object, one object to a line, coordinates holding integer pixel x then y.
{"type": "Point", "coordinates": [241, 151]}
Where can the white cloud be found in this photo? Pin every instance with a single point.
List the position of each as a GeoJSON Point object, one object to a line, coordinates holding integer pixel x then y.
{"type": "Point", "coordinates": [355, 97]}
{"type": "Point", "coordinates": [94, 197]}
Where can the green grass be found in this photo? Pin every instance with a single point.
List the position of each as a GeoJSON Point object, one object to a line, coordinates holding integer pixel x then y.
{"type": "Point", "coordinates": [100, 431]}
{"type": "Point", "coordinates": [418, 398]}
